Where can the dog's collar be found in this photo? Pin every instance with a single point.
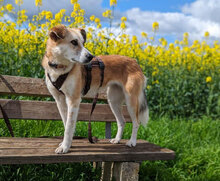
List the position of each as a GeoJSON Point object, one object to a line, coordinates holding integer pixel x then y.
{"type": "Point", "coordinates": [56, 66]}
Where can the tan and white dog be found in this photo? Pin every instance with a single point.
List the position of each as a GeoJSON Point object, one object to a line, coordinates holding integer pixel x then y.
{"type": "Point", "coordinates": [123, 80]}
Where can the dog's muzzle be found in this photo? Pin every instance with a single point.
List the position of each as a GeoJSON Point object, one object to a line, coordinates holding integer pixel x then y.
{"type": "Point", "coordinates": [89, 57]}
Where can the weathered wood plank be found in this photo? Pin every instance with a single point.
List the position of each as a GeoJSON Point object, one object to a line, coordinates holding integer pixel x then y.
{"type": "Point", "coordinates": [47, 110]}
{"type": "Point", "coordinates": [26, 86]}
{"type": "Point", "coordinates": [35, 150]}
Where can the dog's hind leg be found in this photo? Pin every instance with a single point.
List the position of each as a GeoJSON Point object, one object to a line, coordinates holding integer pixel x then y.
{"type": "Point", "coordinates": [132, 91]}
{"type": "Point", "coordinates": [115, 98]}
{"type": "Point", "coordinates": [132, 109]}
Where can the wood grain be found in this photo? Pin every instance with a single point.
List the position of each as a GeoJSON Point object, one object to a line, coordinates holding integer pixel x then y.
{"type": "Point", "coordinates": [47, 110]}
{"type": "Point", "coordinates": [41, 150]}
{"type": "Point", "coordinates": [26, 86]}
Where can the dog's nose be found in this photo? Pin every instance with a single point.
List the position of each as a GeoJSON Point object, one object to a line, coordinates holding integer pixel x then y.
{"type": "Point", "coordinates": [89, 56]}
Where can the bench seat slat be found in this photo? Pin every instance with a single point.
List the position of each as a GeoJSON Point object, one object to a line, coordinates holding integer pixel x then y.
{"type": "Point", "coordinates": [47, 110]}
{"type": "Point", "coordinates": [26, 86]}
{"type": "Point", "coordinates": [35, 150]}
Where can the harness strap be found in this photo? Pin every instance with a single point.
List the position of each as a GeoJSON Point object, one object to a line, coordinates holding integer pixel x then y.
{"type": "Point", "coordinates": [96, 63]}
{"type": "Point", "coordinates": [88, 78]}
{"type": "Point", "coordinates": [59, 82]}
{"type": "Point", "coordinates": [7, 121]}
{"type": "Point", "coordinates": [102, 68]}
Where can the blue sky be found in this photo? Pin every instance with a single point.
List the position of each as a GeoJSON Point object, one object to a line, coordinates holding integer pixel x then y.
{"type": "Point", "coordinates": [175, 17]}
{"type": "Point", "coordinates": [149, 5]}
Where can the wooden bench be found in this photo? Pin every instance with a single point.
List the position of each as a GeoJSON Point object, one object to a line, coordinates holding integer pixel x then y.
{"type": "Point", "coordinates": [119, 161]}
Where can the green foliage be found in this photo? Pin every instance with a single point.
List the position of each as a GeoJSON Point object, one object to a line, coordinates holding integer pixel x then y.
{"type": "Point", "coordinates": [195, 142]}
{"type": "Point", "coordinates": [42, 172]}
{"type": "Point", "coordinates": [183, 93]}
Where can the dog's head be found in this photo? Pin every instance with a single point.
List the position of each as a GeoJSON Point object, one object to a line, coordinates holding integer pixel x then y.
{"type": "Point", "coordinates": [68, 43]}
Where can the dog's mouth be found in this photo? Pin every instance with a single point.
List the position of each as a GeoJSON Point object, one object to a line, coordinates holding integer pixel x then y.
{"type": "Point", "coordinates": [83, 63]}
{"type": "Point", "coordinates": [73, 60]}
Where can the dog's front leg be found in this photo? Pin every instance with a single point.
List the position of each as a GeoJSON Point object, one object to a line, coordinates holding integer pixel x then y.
{"type": "Point", "coordinates": [72, 113]}
{"type": "Point", "coordinates": [62, 107]}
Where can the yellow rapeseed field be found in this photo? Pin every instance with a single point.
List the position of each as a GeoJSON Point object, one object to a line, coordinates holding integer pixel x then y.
{"type": "Point", "coordinates": [183, 77]}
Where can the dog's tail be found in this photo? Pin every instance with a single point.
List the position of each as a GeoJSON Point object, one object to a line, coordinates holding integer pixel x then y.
{"type": "Point", "coordinates": [143, 107]}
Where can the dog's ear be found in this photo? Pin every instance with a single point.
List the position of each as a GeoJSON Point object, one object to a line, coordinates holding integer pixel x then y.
{"type": "Point", "coordinates": [83, 33]}
{"type": "Point", "coordinates": [58, 32]}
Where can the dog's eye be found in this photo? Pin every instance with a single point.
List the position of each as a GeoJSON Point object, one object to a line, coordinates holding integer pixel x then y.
{"type": "Point", "coordinates": [74, 42]}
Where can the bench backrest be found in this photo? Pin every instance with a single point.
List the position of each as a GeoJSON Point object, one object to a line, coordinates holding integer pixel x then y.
{"type": "Point", "coordinates": [45, 110]}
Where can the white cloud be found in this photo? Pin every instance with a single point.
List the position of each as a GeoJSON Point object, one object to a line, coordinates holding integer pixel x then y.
{"type": "Point", "coordinates": [190, 20]}
{"type": "Point", "coordinates": [204, 9]}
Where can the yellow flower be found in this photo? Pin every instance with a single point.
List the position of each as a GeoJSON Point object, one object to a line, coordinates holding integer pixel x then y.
{"type": "Point", "coordinates": [148, 87]}
{"type": "Point", "coordinates": [19, 2]}
{"type": "Point", "coordinates": [21, 52]}
{"type": "Point", "coordinates": [73, 1]}
{"type": "Point", "coordinates": [81, 12]}
{"type": "Point", "coordinates": [186, 35]}
{"type": "Point", "coordinates": [144, 35]}
{"type": "Point", "coordinates": [155, 26]}
{"type": "Point", "coordinates": [177, 42]}
{"type": "Point", "coordinates": [92, 18]}
{"type": "Point", "coordinates": [208, 79]}
{"type": "Point", "coordinates": [73, 14]}
{"type": "Point", "coordinates": [206, 34]}
{"type": "Point", "coordinates": [113, 2]}
{"type": "Point", "coordinates": [155, 82]}
{"type": "Point", "coordinates": [9, 7]}
{"type": "Point", "coordinates": [123, 18]}
{"type": "Point", "coordinates": [107, 13]}
{"type": "Point", "coordinates": [49, 15]}
{"type": "Point", "coordinates": [99, 25]}
{"type": "Point", "coordinates": [97, 20]}
{"type": "Point", "coordinates": [123, 25]}
{"type": "Point", "coordinates": [38, 2]}
{"type": "Point", "coordinates": [171, 46]}
{"type": "Point", "coordinates": [154, 73]}
{"type": "Point", "coordinates": [134, 40]}
{"type": "Point", "coordinates": [76, 7]}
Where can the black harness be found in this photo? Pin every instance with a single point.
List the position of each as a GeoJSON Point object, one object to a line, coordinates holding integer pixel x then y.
{"type": "Point", "coordinates": [59, 82]}
{"type": "Point", "coordinates": [97, 62]}
{"type": "Point", "coordinates": [88, 79]}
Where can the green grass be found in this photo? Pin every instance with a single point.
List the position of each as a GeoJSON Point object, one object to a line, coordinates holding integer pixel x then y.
{"type": "Point", "coordinates": [196, 143]}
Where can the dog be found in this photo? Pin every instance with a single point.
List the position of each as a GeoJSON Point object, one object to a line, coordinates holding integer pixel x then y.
{"type": "Point", "coordinates": [123, 81]}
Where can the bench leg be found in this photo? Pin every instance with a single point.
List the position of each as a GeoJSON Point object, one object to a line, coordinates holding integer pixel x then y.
{"type": "Point", "coordinates": [97, 165]}
{"type": "Point", "coordinates": [125, 171]}
{"type": "Point", "coordinates": [106, 171]}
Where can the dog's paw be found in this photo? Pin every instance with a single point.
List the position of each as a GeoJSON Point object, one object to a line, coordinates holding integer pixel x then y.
{"type": "Point", "coordinates": [60, 143]}
{"type": "Point", "coordinates": [114, 141]}
{"type": "Point", "coordinates": [62, 149]}
{"type": "Point", "coordinates": [131, 143]}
